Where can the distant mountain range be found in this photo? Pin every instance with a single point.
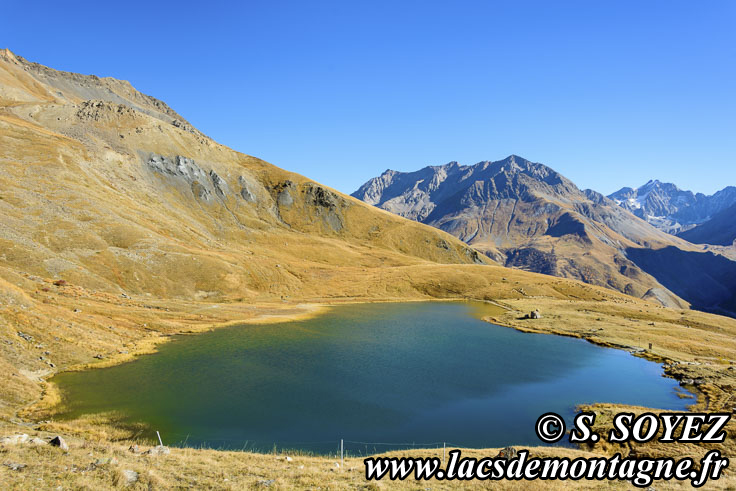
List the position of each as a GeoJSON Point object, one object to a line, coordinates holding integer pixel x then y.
{"type": "Point", "coordinates": [671, 209]}
{"type": "Point", "coordinates": [719, 230]}
{"type": "Point", "coordinates": [527, 215]}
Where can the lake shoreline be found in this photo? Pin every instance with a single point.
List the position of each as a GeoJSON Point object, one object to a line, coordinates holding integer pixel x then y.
{"type": "Point", "coordinates": [51, 399]}
{"type": "Point", "coordinates": [311, 310]}
{"type": "Point", "coordinates": [698, 344]}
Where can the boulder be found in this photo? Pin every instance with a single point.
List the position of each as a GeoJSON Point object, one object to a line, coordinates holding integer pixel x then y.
{"type": "Point", "coordinates": [507, 453]}
{"type": "Point", "coordinates": [158, 450]}
{"type": "Point", "coordinates": [14, 439]}
{"type": "Point", "coordinates": [58, 441]}
{"type": "Point", "coordinates": [535, 314]}
{"type": "Point", "coordinates": [130, 476]}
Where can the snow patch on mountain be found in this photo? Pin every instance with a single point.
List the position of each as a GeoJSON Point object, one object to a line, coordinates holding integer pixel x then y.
{"type": "Point", "coordinates": [670, 208]}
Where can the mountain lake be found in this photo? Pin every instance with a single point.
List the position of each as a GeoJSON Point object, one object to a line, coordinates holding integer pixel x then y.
{"type": "Point", "coordinates": [380, 376]}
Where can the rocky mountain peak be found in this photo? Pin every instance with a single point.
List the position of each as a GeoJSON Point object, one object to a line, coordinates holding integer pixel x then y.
{"type": "Point", "coordinates": [526, 215]}
{"type": "Point", "coordinates": [670, 208]}
{"type": "Point", "coordinates": [8, 55]}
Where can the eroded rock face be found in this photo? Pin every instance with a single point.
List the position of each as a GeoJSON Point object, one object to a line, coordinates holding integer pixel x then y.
{"type": "Point", "coordinates": [284, 193]}
{"type": "Point", "coordinates": [474, 255]}
{"type": "Point", "coordinates": [327, 203]}
{"type": "Point", "coordinates": [311, 201]}
{"type": "Point", "coordinates": [532, 259]}
{"type": "Point", "coordinates": [319, 196]}
{"type": "Point", "coordinates": [203, 185]}
{"type": "Point", "coordinates": [201, 191]}
{"type": "Point", "coordinates": [246, 190]}
{"type": "Point", "coordinates": [96, 110]}
{"type": "Point", "coordinates": [178, 166]}
{"type": "Point", "coordinates": [206, 185]}
{"type": "Point", "coordinates": [220, 185]}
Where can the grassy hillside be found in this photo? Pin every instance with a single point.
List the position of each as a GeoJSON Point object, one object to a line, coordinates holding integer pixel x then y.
{"type": "Point", "coordinates": [123, 225]}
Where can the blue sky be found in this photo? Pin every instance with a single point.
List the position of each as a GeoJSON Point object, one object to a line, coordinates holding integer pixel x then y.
{"type": "Point", "coordinates": [607, 93]}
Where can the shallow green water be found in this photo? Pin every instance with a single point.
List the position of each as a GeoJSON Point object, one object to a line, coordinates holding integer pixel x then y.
{"type": "Point", "coordinates": [383, 373]}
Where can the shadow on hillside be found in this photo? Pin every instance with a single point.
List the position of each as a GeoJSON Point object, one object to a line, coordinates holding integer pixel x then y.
{"type": "Point", "coordinates": [706, 280]}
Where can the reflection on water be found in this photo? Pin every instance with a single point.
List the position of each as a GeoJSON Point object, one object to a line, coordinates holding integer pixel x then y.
{"type": "Point", "coordinates": [389, 373]}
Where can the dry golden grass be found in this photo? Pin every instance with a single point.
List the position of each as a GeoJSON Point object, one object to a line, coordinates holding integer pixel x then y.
{"type": "Point", "coordinates": [143, 259]}
{"type": "Point", "coordinates": [568, 308]}
{"type": "Point", "coordinates": [50, 468]}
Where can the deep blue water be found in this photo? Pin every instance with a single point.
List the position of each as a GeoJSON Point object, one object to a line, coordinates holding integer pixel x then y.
{"type": "Point", "coordinates": [421, 373]}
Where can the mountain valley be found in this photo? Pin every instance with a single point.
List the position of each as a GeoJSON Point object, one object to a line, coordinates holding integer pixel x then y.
{"type": "Point", "coordinates": [122, 226]}
{"type": "Point", "coordinates": [526, 215]}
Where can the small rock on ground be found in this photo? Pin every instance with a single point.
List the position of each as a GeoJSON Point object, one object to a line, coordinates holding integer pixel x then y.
{"type": "Point", "coordinates": [106, 461]}
{"type": "Point", "coordinates": [507, 453]}
{"type": "Point", "coordinates": [58, 441]}
{"type": "Point", "coordinates": [130, 476]}
{"type": "Point", "coordinates": [158, 450]}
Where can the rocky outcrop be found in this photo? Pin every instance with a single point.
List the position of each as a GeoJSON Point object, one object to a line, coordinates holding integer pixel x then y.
{"type": "Point", "coordinates": [311, 200]}
{"type": "Point", "coordinates": [96, 110]}
{"type": "Point", "coordinates": [75, 88]}
{"type": "Point", "coordinates": [719, 230]}
{"type": "Point", "coordinates": [532, 259]}
{"type": "Point", "coordinates": [670, 208]}
{"type": "Point", "coordinates": [178, 166]}
{"type": "Point", "coordinates": [319, 196]}
{"type": "Point", "coordinates": [247, 189]}
{"type": "Point", "coordinates": [207, 185]}
{"type": "Point", "coordinates": [526, 215]}
{"type": "Point", "coordinates": [158, 450]}
{"type": "Point", "coordinates": [285, 193]}
{"type": "Point", "coordinates": [219, 184]}
{"type": "Point", "coordinates": [185, 170]}
{"type": "Point", "coordinates": [329, 205]}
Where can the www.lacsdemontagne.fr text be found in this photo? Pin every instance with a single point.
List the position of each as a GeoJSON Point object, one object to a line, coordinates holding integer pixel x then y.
{"type": "Point", "coordinates": [641, 472]}
{"type": "Point", "coordinates": [550, 428]}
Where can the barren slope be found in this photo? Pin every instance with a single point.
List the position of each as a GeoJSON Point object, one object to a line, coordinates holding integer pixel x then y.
{"type": "Point", "coordinates": [719, 230]}
{"type": "Point", "coordinates": [527, 215]}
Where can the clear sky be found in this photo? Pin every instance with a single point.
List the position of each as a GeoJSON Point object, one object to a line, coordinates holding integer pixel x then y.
{"type": "Point", "coordinates": [608, 93]}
